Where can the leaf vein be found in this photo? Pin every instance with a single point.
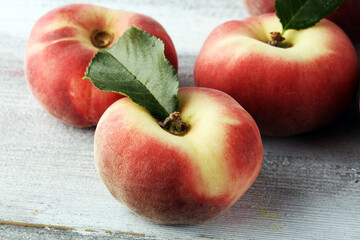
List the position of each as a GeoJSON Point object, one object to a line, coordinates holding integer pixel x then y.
{"type": "Point", "coordinates": [138, 80]}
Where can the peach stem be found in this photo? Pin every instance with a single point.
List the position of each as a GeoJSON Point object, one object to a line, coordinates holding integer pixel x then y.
{"type": "Point", "coordinates": [174, 125]}
{"type": "Point", "coordinates": [101, 39]}
{"type": "Point", "coordinates": [277, 40]}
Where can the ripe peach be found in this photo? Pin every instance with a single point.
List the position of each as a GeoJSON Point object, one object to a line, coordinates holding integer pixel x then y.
{"type": "Point", "coordinates": [60, 47]}
{"type": "Point", "coordinates": [179, 179]}
{"type": "Point", "coordinates": [286, 90]}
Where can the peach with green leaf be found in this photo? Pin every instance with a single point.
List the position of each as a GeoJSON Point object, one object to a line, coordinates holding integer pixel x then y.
{"type": "Point", "coordinates": [172, 156]}
{"type": "Point", "coordinates": [60, 46]}
{"type": "Point", "coordinates": [292, 75]}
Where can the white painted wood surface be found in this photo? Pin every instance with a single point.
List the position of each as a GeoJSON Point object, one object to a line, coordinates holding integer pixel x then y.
{"type": "Point", "coordinates": [308, 187]}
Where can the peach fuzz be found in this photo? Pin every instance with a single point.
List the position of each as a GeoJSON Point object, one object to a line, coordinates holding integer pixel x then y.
{"type": "Point", "coordinates": [179, 179]}
{"type": "Point", "coordinates": [60, 48]}
{"type": "Point", "coordinates": [286, 90]}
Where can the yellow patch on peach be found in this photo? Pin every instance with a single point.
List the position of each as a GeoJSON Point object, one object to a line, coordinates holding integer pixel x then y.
{"type": "Point", "coordinates": [256, 35]}
{"type": "Point", "coordinates": [207, 132]}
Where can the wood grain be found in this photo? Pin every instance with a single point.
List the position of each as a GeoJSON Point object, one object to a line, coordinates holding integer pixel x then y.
{"type": "Point", "coordinates": [308, 187]}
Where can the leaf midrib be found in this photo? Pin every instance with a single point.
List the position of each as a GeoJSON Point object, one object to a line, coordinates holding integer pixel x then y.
{"type": "Point", "coordinates": [292, 18]}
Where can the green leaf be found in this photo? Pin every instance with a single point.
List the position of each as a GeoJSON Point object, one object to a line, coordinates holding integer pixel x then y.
{"type": "Point", "coordinates": [136, 66]}
{"type": "Point", "coordinates": [301, 14]}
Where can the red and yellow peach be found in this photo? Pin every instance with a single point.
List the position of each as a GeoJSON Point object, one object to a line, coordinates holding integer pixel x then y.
{"type": "Point", "coordinates": [179, 179]}
{"type": "Point", "coordinates": [60, 47]}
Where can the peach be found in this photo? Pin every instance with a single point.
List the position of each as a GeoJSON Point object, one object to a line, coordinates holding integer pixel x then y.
{"type": "Point", "coordinates": [179, 179]}
{"type": "Point", "coordinates": [60, 47]}
{"type": "Point", "coordinates": [286, 90]}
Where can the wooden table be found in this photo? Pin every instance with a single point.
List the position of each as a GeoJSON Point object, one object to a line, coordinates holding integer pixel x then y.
{"type": "Point", "coordinates": [308, 187]}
